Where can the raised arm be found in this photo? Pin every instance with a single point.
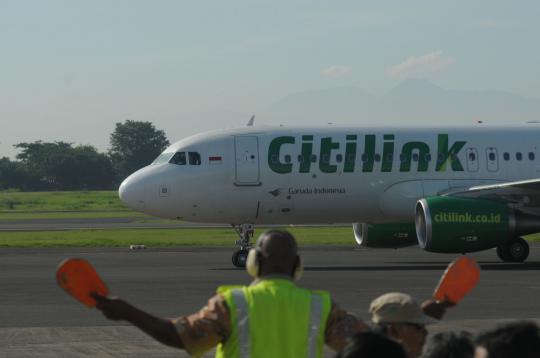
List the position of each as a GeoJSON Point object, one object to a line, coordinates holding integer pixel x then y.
{"type": "Point", "coordinates": [161, 329]}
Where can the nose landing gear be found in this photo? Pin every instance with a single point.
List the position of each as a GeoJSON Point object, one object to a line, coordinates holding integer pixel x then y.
{"type": "Point", "coordinates": [245, 231]}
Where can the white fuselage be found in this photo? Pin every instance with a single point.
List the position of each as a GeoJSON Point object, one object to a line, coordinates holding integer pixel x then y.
{"type": "Point", "coordinates": [326, 174]}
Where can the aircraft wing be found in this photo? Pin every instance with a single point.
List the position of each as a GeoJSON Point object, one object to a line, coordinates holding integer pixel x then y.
{"type": "Point", "coordinates": [523, 195]}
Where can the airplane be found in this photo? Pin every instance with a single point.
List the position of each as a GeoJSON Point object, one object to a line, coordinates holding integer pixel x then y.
{"type": "Point", "coordinates": [447, 189]}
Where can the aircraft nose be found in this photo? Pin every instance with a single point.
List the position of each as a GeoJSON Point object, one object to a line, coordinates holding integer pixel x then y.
{"type": "Point", "coordinates": [132, 193]}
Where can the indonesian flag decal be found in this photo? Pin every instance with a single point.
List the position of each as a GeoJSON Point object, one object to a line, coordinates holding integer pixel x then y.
{"type": "Point", "coordinates": [215, 159]}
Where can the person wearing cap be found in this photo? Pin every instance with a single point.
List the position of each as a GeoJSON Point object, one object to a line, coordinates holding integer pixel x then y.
{"type": "Point", "coordinates": [272, 317]}
{"type": "Point", "coordinates": [400, 317]}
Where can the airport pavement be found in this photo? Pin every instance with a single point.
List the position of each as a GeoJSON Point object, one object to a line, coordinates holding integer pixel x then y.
{"type": "Point", "coordinates": [38, 319]}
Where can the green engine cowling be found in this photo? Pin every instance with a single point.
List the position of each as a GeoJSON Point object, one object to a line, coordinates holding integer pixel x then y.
{"type": "Point", "coordinates": [391, 235]}
{"type": "Point", "coordinates": [459, 225]}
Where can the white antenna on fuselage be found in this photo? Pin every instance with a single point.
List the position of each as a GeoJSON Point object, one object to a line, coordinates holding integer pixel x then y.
{"type": "Point", "coordinates": [251, 120]}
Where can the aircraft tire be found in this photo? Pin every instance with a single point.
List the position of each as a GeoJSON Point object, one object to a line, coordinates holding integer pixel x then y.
{"type": "Point", "coordinates": [516, 250]}
{"type": "Point", "coordinates": [501, 252]}
{"type": "Point", "coordinates": [239, 258]}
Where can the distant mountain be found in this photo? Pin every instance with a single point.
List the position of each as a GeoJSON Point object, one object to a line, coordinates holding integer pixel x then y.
{"type": "Point", "coordinates": [410, 102]}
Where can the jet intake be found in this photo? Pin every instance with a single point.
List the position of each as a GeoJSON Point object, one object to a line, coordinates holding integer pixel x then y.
{"type": "Point", "coordinates": [391, 235]}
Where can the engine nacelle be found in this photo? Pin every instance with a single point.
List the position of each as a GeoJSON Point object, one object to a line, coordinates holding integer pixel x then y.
{"type": "Point", "coordinates": [391, 235]}
{"type": "Point", "coordinates": [459, 225]}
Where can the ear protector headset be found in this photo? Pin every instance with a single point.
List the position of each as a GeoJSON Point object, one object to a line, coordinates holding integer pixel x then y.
{"type": "Point", "coordinates": [253, 263]}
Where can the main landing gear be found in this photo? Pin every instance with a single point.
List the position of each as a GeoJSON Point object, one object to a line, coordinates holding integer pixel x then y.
{"type": "Point", "coordinates": [515, 250]}
{"type": "Point", "coordinates": [245, 231]}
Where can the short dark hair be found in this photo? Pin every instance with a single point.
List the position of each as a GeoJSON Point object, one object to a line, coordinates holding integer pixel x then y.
{"type": "Point", "coordinates": [449, 345]}
{"type": "Point", "coordinates": [283, 236]}
{"type": "Point", "coordinates": [277, 252]}
{"type": "Point", "coordinates": [516, 339]}
{"type": "Point", "coordinates": [371, 345]}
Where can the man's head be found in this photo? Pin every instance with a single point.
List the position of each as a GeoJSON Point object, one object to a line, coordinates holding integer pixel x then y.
{"type": "Point", "coordinates": [275, 253]}
{"type": "Point", "coordinates": [371, 345]}
{"type": "Point", "coordinates": [402, 319]}
{"type": "Point", "coordinates": [449, 345]}
{"type": "Point", "coordinates": [518, 339]}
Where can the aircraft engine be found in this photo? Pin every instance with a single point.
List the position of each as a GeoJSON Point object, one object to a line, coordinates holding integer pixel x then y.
{"type": "Point", "coordinates": [391, 235]}
{"type": "Point", "coordinates": [458, 225]}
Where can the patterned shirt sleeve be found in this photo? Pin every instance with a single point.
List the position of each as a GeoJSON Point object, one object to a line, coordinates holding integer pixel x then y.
{"type": "Point", "coordinates": [340, 326]}
{"type": "Point", "coordinates": [205, 329]}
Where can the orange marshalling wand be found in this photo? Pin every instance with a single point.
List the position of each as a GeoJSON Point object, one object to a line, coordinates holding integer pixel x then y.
{"type": "Point", "coordinates": [459, 279]}
{"type": "Point", "coordinates": [78, 278]}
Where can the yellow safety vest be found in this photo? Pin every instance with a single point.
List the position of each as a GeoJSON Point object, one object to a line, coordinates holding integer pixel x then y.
{"type": "Point", "coordinates": [275, 318]}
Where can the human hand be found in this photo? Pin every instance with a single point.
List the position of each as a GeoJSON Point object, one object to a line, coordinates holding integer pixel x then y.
{"type": "Point", "coordinates": [113, 308]}
{"type": "Point", "coordinates": [436, 309]}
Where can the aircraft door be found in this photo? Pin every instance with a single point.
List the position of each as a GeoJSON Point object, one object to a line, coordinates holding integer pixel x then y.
{"type": "Point", "coordinates": [472, 159]}
{"type": "Point", "coordinates": [492, 159]}
{"type": "Point", "coordinates": [247, 160]}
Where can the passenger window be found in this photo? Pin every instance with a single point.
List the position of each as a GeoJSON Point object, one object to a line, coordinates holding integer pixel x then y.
{"type": "Point", "coordinates": [415, 157]}
{"type": "Point", "coordinates": [492, 156]}
{"type": "Point", "coordinates": [313, 158]}
{"type": "Point", "coordinates": [377, 157]}
{"type": "Point", "coordinates": [194, 158]}
{"type": "Point", "coordinates": [428, 157]}
{"type": "Point", "coordinates": [402, 158]}
{"type": "Point", "coordinates": [179, 158]}
{"type": "Point", "coordinates": [339, 158]}
{"type": "Point", "coordinates": [300, 159]}
{"type": "Point", "coordinates": [365, 157]}
{"type": "Point", "coordinates": [506, 156]}
{"type": "Point", "coordinates": [531, 156]}
{"type": "Point", "coordinates": [518, 156]}
{"type": "Point", "coordinates": [325, 158]}
{"type": "Point", "coordinates": [287, 158]}
{"type": "Point", "coordinates": [472, 156]}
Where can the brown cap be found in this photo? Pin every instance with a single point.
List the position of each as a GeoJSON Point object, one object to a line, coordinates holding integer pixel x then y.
{"type": "Point", "coordinates": [397, 307]}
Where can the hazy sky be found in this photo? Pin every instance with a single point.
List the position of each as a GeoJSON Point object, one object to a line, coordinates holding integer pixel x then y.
{"type": "Point", "coordinates": [70, 69]}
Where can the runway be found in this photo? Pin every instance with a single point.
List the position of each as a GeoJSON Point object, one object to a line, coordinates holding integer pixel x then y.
{"type": "Point", "coordinates": [66, 224]}
{"type": "Point", "coordinates": [38, 319]}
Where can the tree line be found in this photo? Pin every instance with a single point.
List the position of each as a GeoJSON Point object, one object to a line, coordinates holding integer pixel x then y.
{"type": "Point", "coordinates": [64, 166]}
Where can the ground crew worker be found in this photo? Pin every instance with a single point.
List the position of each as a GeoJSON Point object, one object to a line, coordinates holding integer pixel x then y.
{"type": "Point", "coordinates": [272, 317]}
{"type": "Point", "coordinates": [400, 317]}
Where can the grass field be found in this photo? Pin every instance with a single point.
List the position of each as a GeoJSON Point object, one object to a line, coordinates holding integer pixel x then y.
{"type": "Point", "coordinates": [49, 201]}
{"type": "Point", "coordinates": [164, 237]}
{"type": "Point", "coordinates": [6, 216]}
{"type": "Point", "coordinates": [16, 205]}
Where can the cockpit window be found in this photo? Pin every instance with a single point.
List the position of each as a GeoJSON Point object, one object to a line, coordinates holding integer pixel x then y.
{"type": "Point", "coordinates": [179, 158]}
{"type": "Point", "coordinates": [194, 158]}
{"type": "Point", "coordinates": [162, 158]}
